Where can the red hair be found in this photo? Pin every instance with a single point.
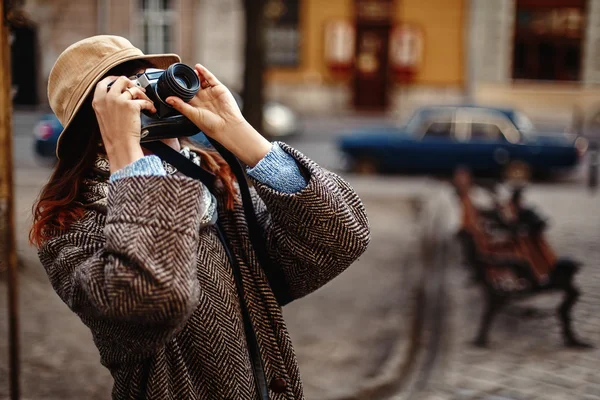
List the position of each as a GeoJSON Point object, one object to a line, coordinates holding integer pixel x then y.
{"type": "Point", "coordinates": [57, 206]}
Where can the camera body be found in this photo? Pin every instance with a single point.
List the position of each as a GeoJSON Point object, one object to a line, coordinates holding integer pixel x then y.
{"type": "Point", "coordinates": [148, 80]}
{"type": "Point", "coordinates": [177, 80]}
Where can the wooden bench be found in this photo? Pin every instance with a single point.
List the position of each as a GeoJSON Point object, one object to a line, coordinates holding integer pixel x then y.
{"type": "Point", "coordinates": [509, 256]}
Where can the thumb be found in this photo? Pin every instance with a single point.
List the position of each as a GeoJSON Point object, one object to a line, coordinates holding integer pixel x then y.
{"type": "Point", "coordinates": [181, 106]}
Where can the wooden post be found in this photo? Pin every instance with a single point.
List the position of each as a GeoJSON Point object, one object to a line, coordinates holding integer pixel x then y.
{"type": "Point", "coordinates": [8, 253]}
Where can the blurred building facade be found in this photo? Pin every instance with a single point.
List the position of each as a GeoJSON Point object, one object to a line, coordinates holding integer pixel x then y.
{"type": "Point", "coordinates": [542, 56]}
{"type": "Point", "coordinates": [155, 25]}
{"type": "Point", "coordinates": [345, 55]}
{"type": "Point", "coordinates": [322, 56]}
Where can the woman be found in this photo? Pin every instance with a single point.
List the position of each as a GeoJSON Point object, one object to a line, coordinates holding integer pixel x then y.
{"type": "Point", "coordinates": [131, 246]}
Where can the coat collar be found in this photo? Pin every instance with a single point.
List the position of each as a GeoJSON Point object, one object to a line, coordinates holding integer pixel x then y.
{"type": "Point", "coordinates": [94, 192]}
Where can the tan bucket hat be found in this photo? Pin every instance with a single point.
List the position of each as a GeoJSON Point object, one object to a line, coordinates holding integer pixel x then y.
{"type": "Point", "coordinates": [79, 68]}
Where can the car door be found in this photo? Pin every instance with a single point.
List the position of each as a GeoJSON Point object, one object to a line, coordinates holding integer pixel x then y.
{"type": "Point", "coordinates": [433, 147]}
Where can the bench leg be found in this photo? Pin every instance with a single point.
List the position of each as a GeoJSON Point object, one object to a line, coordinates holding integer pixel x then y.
{"type": "Point", "coordinates": [493, 305]}
{"type": "Point", "coordinates": [564, 312]}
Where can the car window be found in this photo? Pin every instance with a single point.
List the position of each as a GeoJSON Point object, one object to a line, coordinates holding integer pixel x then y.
{"type": "Point", "coordinates": [421, 120]}
{"type": "Point", "coordinates": [486, 131]}
{"type": "Point", "coordinates": [486, 125]}
{"type": "Point", "coordinates": [438, 129]}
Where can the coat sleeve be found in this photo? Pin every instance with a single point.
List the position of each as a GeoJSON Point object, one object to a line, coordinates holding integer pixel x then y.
{"type": "Point", "coordinates": [137, 274]}
{"type": "Point", "coordinates": [312, 235]}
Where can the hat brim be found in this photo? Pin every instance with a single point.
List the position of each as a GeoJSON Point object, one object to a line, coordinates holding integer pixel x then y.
{"type": "Point", "coordinates": [160, 61]}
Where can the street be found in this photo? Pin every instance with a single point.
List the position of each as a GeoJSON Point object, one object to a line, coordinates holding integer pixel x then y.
{"type": "Point", "coordinates": [359, 327]}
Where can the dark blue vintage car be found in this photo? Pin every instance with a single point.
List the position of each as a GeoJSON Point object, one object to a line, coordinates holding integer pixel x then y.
{"type": "Point", "coordinates": [489, 141]}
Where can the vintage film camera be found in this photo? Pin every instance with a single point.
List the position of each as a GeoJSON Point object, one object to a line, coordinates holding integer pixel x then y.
{"type": "Point", "coordinates": [177, 80]}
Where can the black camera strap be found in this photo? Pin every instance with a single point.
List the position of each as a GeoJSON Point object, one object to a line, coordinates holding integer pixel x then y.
{"type": "Point", "coordinates": [257, 364]}
{"type": "Point", "coordinates": [188, 168]}
{"type": "Point", "coordinates": [274, 274]}
{"type": "Point", "coordinates": [182, 163]}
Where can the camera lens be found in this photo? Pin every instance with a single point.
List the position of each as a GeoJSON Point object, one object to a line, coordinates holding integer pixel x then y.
{"type": "Point", "coordinates": [178, 80]}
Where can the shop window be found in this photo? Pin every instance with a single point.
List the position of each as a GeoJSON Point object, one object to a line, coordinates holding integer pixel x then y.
{"type": "Point", "coordinates": [549, 40]}
{"type": "Point", "coordinates": [157, 24]}
{"type": "Point", "coordinates": [283, 33]}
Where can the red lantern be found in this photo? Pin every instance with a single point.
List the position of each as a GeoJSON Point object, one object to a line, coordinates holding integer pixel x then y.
{"type": "Point", "coordinates": [406, 51]}
{"type": "Point", "coordinates": [339, 46]}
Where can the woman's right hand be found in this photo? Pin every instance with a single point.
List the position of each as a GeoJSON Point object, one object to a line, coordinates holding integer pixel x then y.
{"type": "Point", "coordinates": [118, 111]}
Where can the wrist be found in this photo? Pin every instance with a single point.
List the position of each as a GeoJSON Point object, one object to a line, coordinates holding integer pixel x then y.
{"type": "Point", "coordinates": [121, 155]}
{"type": "Point", "coordinates": [246, 143]}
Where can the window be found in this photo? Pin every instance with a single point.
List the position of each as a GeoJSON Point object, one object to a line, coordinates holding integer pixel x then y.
{"type": "Point", "coordinates": [431, 122]}
{"type": "Point", "coordinates": [492, 126]}
{"type": "Point", "coordinates": [283, 33]}
{"type": "Point", "coordinates": [158, 22]}
{"type": "Point", "coordinates": [439, 129]}
{"type": "Point", "coordinates": [486, 131]}
{"type": "Point", "coordinates": [548, 40]}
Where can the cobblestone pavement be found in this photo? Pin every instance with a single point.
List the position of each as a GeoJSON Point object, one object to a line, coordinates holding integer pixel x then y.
{"type": "Point", "coordinates": [526, 360]}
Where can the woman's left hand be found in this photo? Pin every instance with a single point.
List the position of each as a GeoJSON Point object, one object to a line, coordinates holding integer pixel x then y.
{"type": "Point", "coordinates": [215, 111]}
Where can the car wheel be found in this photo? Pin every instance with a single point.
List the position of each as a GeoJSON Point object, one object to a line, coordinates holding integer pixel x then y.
{"type": "Point", "coordinates": [366, 166]}
{"type": "Point", "coordinates": [517, 172]}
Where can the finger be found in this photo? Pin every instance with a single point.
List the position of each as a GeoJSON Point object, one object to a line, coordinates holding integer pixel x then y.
{"type": "Point", "coordinates": [135, 92]}
{"type": "Point", "coordinates": [205, 84]}
{"type": "Point", "coordinates": [181, 106]}
{"type": "Point", "coordinates": [139, 95]}
{"type": "Point", "coordinates": [120, 85]}
{"type": "Point", "coordinates": [205, 74]}
{"type": "Point", "coordinates": [145, 105]}
{"type": "Point", "coordinates": [102, 86]}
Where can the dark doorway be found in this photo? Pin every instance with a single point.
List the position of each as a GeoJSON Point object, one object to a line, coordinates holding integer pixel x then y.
{"type": "Point", "coordinates": [371, 69]}
{"type": "Point", "coordinates": [24, 65]}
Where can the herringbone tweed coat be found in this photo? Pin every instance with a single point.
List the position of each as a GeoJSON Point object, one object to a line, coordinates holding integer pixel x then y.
{"type": "Point", "coordinates": [157, 289]}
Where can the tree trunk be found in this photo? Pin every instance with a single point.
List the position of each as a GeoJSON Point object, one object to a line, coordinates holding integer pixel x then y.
{"type": "Point", "coordinates": [8, 253]}
{"type": "Point", "coordinates": [255, 63]}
